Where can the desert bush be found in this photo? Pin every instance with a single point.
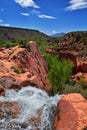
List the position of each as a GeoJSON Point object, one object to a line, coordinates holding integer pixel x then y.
{"type": "Point", "coordinates": [18, 70]}
{"type": "Point", "coordinates": [59, 72]}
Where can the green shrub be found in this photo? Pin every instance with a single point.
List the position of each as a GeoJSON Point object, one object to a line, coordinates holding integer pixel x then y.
{"type": "Point", "coordinates": [7, 44]}
{"type": "Point", "coordinates": [18, 70]}
{"type": "Point", "coordinates": [59, 72]}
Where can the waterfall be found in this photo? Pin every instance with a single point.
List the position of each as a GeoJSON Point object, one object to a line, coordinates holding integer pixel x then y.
{"type": "Point", "coordinates": [36, 109]}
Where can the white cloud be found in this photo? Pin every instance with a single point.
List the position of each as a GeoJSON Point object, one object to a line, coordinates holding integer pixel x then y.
{"type": "Point", "coordinates": [77, 4]}
{"type": "Point", "coordinates": [1, 20]}
{"type": "Point", "coordinates": [6, 25]}
{"type": "Point", "coordinates": [25, 14]}
{"type": "Point", "coordinates": [27, 3]}
{"type": "Point", "coordinates": [40, 15]}
{"type": "Point", "coordinates": [46, 16]}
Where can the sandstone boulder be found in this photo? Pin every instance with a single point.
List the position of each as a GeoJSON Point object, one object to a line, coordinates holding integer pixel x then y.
{"type": "Point", "coordinates": [72, 113]}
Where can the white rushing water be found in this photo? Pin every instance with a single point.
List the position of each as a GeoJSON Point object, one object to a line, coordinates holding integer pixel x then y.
{"type": "Point", "coordinates": [32, 100]}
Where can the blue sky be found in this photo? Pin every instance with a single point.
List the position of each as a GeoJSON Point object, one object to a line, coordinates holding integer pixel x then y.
{"type": "Point", "coordinates": [48, 16]}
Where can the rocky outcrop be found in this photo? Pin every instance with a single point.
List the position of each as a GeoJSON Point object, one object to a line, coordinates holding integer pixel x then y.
{"type": "Point", "coordinates": [64, 54]}
{"type": "Point", "coordinates": [77, 53]}
{"type": "Point", "coordinates": [81, 72]}
{"type": "Point", "coordinates": [69, 56]}
{"type": "Point", "coordinates": [72, 113]}
{"type": "Point", "coordinates": [23, 66]}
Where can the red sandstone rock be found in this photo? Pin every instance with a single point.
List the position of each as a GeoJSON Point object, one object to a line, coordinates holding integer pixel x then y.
{"type": "Point", "coordinates": [77, 77]}
{"type": "Point", "coordinates": [69, 56]}
{"type": "Point", "coordinates": [72, 113]}
{"type": "Point", "coordinates": [21, 67]}
{"type": "Point", "coordinates": [81, 71]}
{"type": "Point", "coordinates": [64, 54]}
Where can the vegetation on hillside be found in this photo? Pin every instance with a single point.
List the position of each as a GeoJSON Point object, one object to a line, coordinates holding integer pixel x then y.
{"type": "Point", "coordinates": [10, 37]}
{"type": "Point", "coordinates": [73, 42]}
{"type": "Point", "coordinates": [8, 44]}
{"type": "Point", "coordinates": [79, 36]}
{"type": "Point", "coordinates": [9, 33]}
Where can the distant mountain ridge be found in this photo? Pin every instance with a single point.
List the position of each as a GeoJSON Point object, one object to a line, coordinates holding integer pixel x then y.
{"type": "Point", "coordinates": [56, 35]}
{"type": "Point", "coordinates": [7, 33]}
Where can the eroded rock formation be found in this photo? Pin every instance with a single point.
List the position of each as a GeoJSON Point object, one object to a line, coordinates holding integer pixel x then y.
{"type": "Point", "coordinates": [23, 66]}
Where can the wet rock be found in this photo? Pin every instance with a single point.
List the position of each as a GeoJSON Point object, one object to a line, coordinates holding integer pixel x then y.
{"type": "Point", "coordinates": [2, 90]}
{"type": "Point", "coordinates": [9, 110]}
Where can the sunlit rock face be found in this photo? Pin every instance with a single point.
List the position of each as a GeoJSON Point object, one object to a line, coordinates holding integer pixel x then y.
{"type": "Point", "coordinates": [27, 109]}
{"type": "Point", "coordinates": [72, 114]}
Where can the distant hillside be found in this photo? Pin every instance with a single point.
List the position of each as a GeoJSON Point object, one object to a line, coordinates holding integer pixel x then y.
{"type": "Point", "coordinates": [79, 36]}
{"type": "Point", "coordinates": [8, 33]}
{"type": "Point", "coordinates": [73, 42]}
{"type": "Point", "coordinates": [56, 35]}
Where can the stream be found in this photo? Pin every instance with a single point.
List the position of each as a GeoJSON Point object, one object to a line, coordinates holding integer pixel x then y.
{"type": "Point", "coordinates": [36, 109]}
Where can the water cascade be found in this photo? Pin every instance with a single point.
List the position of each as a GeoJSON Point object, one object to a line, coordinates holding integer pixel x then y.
{"type": "Point", "coordinates": [36, 109]}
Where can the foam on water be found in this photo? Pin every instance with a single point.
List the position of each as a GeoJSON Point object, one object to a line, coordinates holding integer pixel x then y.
{"type": "Point", "coordinates": [31, 100]}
